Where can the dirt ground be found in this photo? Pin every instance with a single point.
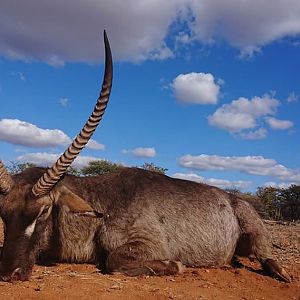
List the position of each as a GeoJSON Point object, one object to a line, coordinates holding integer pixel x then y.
{"type": "Point", "coordinates": [70, 281]}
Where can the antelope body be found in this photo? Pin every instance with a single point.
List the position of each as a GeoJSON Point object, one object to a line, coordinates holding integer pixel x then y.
{"type": "Point", "coordinates": [131, 221]}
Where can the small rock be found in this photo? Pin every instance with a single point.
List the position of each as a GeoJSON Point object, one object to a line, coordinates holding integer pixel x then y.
{"type": "Point", "coordinates": [116, 287]}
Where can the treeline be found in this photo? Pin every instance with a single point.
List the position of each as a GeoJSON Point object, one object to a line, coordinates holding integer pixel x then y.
{"type": "Point", "coordinates": [100, 167]}
{"type": "Point", "coordinates": [281, 203]}
{"type": "Point", "coordinates": [270, 202]}
{"type": "Point", "coordinates": [274, 203]}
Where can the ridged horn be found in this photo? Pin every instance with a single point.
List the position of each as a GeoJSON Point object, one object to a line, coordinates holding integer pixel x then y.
{"type": "Point", "coordinates": [6, 181]}
{"type": "Point", "coordinates": [53, 174]}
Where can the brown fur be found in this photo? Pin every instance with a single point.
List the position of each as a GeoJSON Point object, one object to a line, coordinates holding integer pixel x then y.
{"type": "Point", "coordinates": [142, 223]}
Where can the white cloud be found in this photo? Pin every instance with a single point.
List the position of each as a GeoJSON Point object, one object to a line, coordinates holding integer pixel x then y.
{"type": "Point", "coordinates": [279, 124]}
{"type": "Point", "coordinates": [161, 53]}
{"type": "Point", "coordinates": [249, 51]}
{"type": "Point", "coordinates": [20, 75]}
{"type": "Point", "coordinates": [242, 115]}
{"type": "Point", "coordinates": [40, 158]}
{"type": "Point", "coordinates": [197, 88]}
{"type": "Point", "coordinates": [281, 185]}
{"type": "Point", "coordinates": [141, 152]}
{"type": "Point", "coordinates": [220, 183]}
{"type": "Point", "coordinates": [138, 31]}
{"type": "Point", "coordinates": [48, 159]}
{"type": "Point", "coordinates": [22, 133]}
{"type": "Point", "coordinates": [258, 134]}
{"type": "Point", "coordinates": [244, 118]}
{"type": "Point", "coordinates": [292, 97]}
{"type": "Point", "coordinates": [63, 101]}
{"type": "Point", "coordinates": [125, 151]}
{"type": "Point", "coordinates": [92, 144]}
{"type": "Point", "coordinates": [256, 165]}
{"type": "Point", "coordinates": [247, 24]}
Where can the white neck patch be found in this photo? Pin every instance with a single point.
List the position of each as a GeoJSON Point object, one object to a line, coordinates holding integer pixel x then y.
{"type": "Point", "coordinates": [30, 229]}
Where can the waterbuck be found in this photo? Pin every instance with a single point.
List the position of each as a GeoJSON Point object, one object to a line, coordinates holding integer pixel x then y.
{"type": "Point", "coordinates": [131, 221]}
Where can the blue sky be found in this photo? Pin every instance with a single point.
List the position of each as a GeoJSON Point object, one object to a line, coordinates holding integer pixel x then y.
{"type": "Point", "coordinates": [207, 89]}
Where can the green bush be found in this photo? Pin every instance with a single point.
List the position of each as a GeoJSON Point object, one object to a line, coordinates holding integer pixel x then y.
{"type": "Point", "coordinates": [99, 167]}
{"type": "Point", "coordinates": [153, 168]}
{"type": "Point", "coordinates": [281, 203]}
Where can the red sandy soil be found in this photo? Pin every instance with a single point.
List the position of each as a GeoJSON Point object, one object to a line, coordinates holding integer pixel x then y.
{"type": "Point", "coordinates": [70, 281]}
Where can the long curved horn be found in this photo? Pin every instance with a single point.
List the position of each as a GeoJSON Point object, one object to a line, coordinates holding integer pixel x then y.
{"type": "Point", "coordinates": [53, 175]}
{"type": "Point", "coordinates": [6, 181]}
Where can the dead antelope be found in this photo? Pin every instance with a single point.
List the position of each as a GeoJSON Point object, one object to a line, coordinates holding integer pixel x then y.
{"type": "Point", "coordinates": [131, 221]}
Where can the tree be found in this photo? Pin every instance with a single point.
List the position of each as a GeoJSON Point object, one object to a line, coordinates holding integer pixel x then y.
{"type": "Point", "coordinates": [270, 197]}
{"type": "Point", "coordinates": [99, 167]}
{"type": "Point", "coordinates": [281, 203]}
{"type": "Point", "coordinates": [152, 167]}
{"type": "Point", "coordinates": [290, 202]}
{"type": "Point", "coordinates": [74, 171]}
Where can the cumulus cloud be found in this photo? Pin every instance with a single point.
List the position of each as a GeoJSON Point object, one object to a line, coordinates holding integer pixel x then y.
{"type": "Point", "coordinates": [23, 133]}
{"type": "Point", "coordinates": [48, 159]}
{"type": "Point", "coordinates": [197, 88]}
{"type": "Point", "coordinates": [243, 113]}
{"type": "Point", "coordinates": [245, 118]}
{"type": "Point", "coordinates": [248, 24]}
{"type": "Point", "coordinates": [279, 124]}
{"type": "Point", "coordinates": [256, 165]}
{"type": "Point", "coordinates": [220, 183]}
{"type": "Point", "coordinates": [141, 152]}
{"type": "Point", "coordinates": [71, 30]}
{"type": "Point", "coordinates": [92, 144]}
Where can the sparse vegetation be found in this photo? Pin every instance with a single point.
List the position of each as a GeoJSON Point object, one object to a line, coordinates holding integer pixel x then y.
{"type": "Point", "coordinates": [290, 202]}
{"type": "Point", "coordinates": [274, 203]}
{"type": "Point", "coordinates": [99, 167]}
{"type": "Point", "coordinates": [152, 167]}
{"type": "Point", "coordinates": [74, 171]}
{"type": "Point", "coordinates": [281, 203]}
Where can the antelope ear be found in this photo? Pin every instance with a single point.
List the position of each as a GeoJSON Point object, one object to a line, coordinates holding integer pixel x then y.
{"type": "Point", "coordinates": [76, 204]}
